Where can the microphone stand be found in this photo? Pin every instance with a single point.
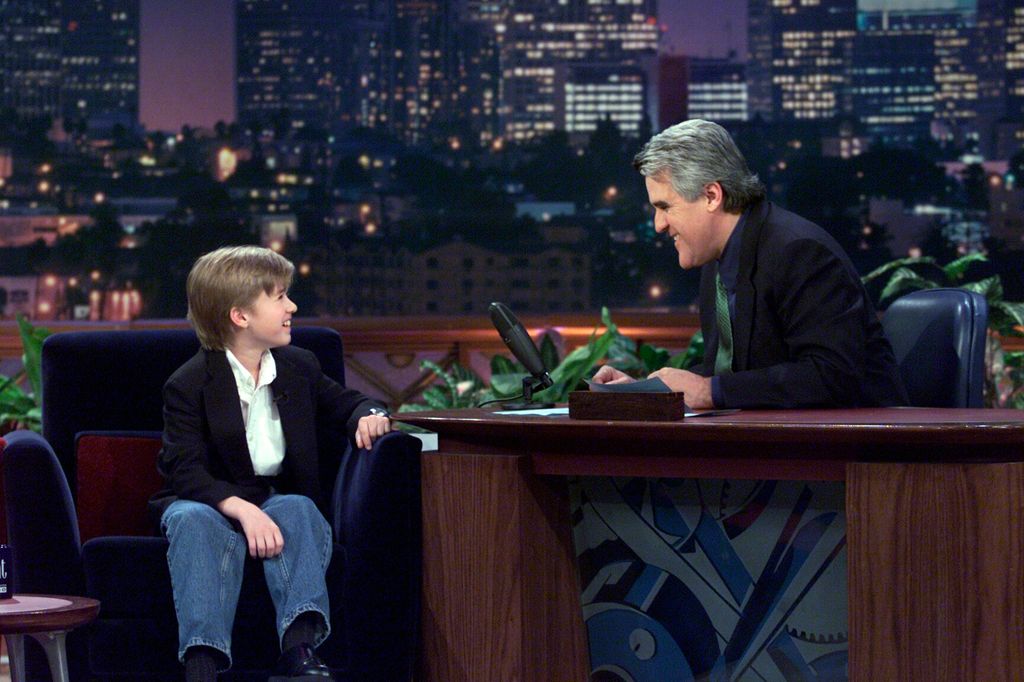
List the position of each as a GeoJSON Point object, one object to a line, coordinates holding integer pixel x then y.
{"type": "Point", "coordinates": [530, 384]}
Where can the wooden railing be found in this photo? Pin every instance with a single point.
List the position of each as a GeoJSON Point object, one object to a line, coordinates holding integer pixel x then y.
{"type": "Point", "coordinates": [383, 354]}
{"type": "Point", "coordinates": [663, 328]}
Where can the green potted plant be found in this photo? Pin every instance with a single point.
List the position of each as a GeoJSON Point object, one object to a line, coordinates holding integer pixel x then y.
{"type": "Point", "coordinates": [21, 409]}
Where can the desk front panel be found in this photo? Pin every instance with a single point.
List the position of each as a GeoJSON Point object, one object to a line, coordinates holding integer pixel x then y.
{"type": "Point", "coordinates": [933, 564]}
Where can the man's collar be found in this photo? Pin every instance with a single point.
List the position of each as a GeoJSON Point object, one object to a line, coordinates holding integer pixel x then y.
{"type": "Point", "coordinates": [729, 261]}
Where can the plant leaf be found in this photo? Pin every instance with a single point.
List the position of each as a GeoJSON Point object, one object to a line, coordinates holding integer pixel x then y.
{"type": "Point", "coordinates": [894, 265]}
{"type": "Point", "coordinates": [503, 365]}
{"type": "Point", "coordinates": [1004, 316]}
{"type": "Point", "coordinates": [693, 355]}
{"type": "Point", "coordinates": [652, 357]}
{"type": "Point", "coordinates": [955, 270]}
{"type": "Point", "coordinates": [32, 348]}
{"type": "Point", "coordinates": [905, 280]}
{"type": "Point", "coordinates": [579, 362]}
{"type": "Point", "coordinates": [507, 385]}
{"type": "Point", "coordinates": [448, 379]}
{"type": "Point", "coordinates": [548, 352]}
{"type": "Point", "coordinates": [990, 287]}
{"type": "Point", "coordinates": [437, 398]}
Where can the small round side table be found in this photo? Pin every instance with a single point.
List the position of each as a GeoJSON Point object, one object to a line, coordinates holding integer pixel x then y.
{"type": "Point", "coordinates": [47, 618]}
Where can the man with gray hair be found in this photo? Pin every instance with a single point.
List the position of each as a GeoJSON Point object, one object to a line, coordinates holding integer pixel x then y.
{"type": "Point", "coordinates": [786, 320]}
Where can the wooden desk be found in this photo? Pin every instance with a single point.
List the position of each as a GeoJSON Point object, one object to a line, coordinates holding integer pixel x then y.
{"type": "Point", "coordinates": [934, 502]}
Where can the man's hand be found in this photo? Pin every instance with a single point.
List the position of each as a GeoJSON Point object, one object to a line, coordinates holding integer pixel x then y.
{"type": "Point", "coordinates": [695, 388]}
{"type": "Point", "coordinates": [610, 375]}
{"type": "Point", "coordinates": [262, 534]}
{"type": "Point", "coordinates": [370, 427]}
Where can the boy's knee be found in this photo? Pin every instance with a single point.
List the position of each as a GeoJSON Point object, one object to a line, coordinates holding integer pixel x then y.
{"type": "Point", "coordinates": [185, 516]}
{"type": "Point", "coordinates": [296, 510]}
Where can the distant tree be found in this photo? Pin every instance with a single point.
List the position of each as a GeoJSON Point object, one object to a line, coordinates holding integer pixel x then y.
{"type": "Point", "coordinates": [1017, 167]}
{"type": "Point", "coordinates": [348, 173]}
{"type": "Point", "coordinates": [552, 171]}
{"type": "Point", "coordinates": [936, 245]}
{"type": "Point", "coordinates": [976, 187]}
{"type": "Point", "coordinates": [122, 136]}
{"type": "Point", "coordinates": [902, 174]}
{"type": "Point", "coordinates": [826, 191]}
{"type": "Point", "coordinates": [281, 122]}
{"type": "Point", "coordinates": [93, 247]}
{"type": "Point", "coordinates": [203, 221]}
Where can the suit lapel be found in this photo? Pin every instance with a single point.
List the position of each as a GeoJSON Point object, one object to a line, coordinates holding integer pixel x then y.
{"type": "Point", "coordinates": [291, 395]}
{"type": "Point", "coordinates": [743, 323]}
{"type": "Point", "coordinates": [224, 415]}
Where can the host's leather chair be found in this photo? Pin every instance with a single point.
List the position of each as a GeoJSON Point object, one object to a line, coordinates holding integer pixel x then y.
{"type": "Point", "coordinates": [938, 336]}
{"type": "Point", "coordinates": [78, 523]}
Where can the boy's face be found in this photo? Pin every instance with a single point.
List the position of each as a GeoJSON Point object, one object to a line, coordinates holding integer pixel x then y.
{"type": "Point", "coordinates": [267, 322]}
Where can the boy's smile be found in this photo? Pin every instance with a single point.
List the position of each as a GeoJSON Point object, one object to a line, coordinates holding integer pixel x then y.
{"type": "Point", "coordinates": [267, 322]}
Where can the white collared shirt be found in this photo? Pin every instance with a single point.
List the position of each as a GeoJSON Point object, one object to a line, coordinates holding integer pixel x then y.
{"type": "Point", "coordinates": [263, 431]}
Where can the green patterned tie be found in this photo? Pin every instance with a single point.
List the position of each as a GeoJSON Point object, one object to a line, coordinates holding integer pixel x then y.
{"type": "Point", "coordinates": [723, 360]}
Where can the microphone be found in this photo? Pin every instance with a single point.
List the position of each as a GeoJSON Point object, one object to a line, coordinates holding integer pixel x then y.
{"type": "Point", "coordinates": [514, 336]}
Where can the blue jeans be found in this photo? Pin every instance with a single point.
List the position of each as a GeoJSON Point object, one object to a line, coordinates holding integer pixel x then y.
{"type": "Point", "coordinates": [207, 555]}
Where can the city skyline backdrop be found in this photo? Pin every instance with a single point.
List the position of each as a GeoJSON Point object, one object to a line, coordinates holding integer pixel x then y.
{"type": "Point", "coordinates": [187, 53]}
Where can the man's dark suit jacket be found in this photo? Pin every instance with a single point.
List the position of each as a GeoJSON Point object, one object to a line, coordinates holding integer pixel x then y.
{"type": "Point", "coordinates": [804, 331]}
{"type": "Point", "coordinates": [205, 456]}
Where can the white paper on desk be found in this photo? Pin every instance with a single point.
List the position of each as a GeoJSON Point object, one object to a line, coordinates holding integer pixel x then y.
{"type": "Point", "coordinates": [654, 385]}
{"type": "Point", "coordinates": [428, 439]}
{"type": "Point", "coordinates": [548, 412]}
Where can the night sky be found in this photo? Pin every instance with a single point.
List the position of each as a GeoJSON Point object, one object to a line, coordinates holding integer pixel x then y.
{"type": "Point", "coordinates": [187, 53]}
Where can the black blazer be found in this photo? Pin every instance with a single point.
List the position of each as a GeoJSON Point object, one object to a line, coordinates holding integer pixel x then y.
{"type": "Point", "coordinates": [804, 332]}
{"type": "Point", "coordinates": [205, 456]}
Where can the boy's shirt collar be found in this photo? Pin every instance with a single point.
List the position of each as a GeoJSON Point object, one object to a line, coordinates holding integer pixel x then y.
{"type": "Point", "coordinates": [268, 370]}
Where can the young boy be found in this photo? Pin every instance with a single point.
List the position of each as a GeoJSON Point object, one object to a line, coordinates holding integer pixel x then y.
{"type": "Point", "coordinates": [241, 463]}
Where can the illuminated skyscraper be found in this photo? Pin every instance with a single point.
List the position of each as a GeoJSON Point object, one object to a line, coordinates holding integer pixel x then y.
{"type": "Point", "coordinates": [1014, 54]}
{"type": "Point", "coordinates": [800, 53]}
{"type": "Point", "coordinates": [476, 87]}
{"type": "Point", "coordinates": [717, 91]}
{"type": "Point", "coordinates": [893, 85]}
{"type": "Point", "coordinates": [588, 93]}
{"type": "Point", "coordinates": [541, 36]}
{"type": "Point", "coordinates": [322, 63]}
{"type": "Point", "coordinates": [423, 65]}
{"type": "Point", "coordinates": [100, 61]}
{"type": "Point", "coordinates": [30, 49]}
{"type": "Point", "coordinates": [956, 41]}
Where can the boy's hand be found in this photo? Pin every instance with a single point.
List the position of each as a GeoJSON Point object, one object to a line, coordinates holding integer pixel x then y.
{"type": "Point", "coordinates": [262, 534]}
{"type": "Point", "coordinates": [370, 427]}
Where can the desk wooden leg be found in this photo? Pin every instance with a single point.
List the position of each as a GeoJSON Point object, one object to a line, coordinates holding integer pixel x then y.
{"type": "Point", "coordinates": [16, 656]}
{"type": "Point", "coordinates": [500, 591]}
{"type": "Point", "coordinates": [936, 571]}
{"type": "Point", "coordinates": [56, 654]}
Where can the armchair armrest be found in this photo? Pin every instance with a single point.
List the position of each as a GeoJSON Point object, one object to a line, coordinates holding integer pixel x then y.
{"type": "Point", "coordinates": [41, 521]}
{"type": "Point", "coordinates": [376, 518]}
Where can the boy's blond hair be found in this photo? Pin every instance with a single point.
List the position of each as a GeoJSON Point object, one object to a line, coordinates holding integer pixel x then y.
{"type": "Point", "coordinates": [231, 277]}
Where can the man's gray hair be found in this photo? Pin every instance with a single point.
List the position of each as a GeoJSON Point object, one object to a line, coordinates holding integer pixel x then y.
{"type": "Point", "coordinates": [695, 153]}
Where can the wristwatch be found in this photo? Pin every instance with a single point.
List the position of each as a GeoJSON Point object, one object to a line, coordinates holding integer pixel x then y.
{"type": "Point", "coordinates": [378, 412]}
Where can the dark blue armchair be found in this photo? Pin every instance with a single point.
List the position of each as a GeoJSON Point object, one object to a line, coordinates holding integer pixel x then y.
{"type": "Point", "coordinates": [938, 336]}
{"type": "Point", "coordinates": [102, 396]}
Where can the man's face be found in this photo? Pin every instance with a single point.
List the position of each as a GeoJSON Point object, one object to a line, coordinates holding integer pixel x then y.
{"type": "Point", "coordinates": [690, 224]}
